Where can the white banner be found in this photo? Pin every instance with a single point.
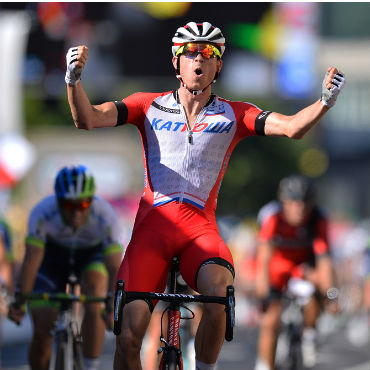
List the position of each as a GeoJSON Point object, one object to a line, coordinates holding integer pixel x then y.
{"type": "Point", "coordinates": [14, 29]}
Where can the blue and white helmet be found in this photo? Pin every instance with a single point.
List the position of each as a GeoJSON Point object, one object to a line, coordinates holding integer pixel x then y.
{"type": "Point", "coordinates": [75, 182]}
{"type": "Point", "coordinates": [198, 32]}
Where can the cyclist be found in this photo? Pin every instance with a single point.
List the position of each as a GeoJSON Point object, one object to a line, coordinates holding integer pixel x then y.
{"type": "Point", "coordinates": [72, 223]}
{"type": "Point", "coordinates": [188, 135]}
{"type": "Point", "coordinates": [292, 243]}
{"type": "Point", "coordinates": [367, 280]}
{"type": "Point", "coordinates": [6, 271]}
{"type": "Point", "coordinates": [6, 263]}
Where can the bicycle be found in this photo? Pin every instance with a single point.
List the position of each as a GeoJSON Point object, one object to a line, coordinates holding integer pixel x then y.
{"type": "Point", "coordinates": [289, 344]}
{"type": "Point", "coordinates": [171, 348]}
{"type": "Point", "coordinates": [67, 353]}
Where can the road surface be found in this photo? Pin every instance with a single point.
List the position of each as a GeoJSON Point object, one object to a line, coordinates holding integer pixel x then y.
{"type": "Point", "coordinates": [344, 347]}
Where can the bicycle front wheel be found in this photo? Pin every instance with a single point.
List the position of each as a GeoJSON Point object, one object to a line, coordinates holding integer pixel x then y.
{"type": "Point", "coordinates": [296, 355]}
{"type": "Point", "coordinates": [62, 352]}
{"type": "Point", "coordinates": [77, 353]}
{"type": "Point", "coordinates": [172, 360]}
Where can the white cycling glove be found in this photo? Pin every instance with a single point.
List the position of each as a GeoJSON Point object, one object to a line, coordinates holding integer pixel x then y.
{"type": "Point", "coordinates": [328, 97]}
{"type": "Point", "coordinates": [73, 73]}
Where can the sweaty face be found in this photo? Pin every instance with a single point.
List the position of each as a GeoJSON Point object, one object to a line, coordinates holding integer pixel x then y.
{"type": "Point", "coordinates": [74, 211]}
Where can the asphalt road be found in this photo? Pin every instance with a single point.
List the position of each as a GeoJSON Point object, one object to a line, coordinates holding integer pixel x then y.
{"type": "Point", "coordinates": [345, 347]}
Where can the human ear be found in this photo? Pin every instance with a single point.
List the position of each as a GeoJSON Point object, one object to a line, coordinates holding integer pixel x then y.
{"type": "Point", "coordinates": [174, 62]}
{"type": "Point", "coordinates": [219, 65]}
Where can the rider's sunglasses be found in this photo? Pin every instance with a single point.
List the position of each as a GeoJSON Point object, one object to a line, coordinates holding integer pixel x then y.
{"type": "Point", "coordinates": [192, 50]}
{"type": "Point", "coordinates": [75, 206]}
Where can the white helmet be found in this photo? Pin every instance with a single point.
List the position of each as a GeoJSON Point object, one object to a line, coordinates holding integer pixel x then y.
{"type": "Point", "coordinates": [198, 32]}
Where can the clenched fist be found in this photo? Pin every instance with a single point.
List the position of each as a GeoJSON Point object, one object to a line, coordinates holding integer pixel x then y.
{"type": "Point", "coordinates": [76, 59]}
{"type": "Point", "coordinates": [331, 86]}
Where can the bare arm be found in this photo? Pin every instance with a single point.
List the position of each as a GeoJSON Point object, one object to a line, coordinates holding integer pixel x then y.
{"type": "Point", "coordinates": [31, 263]}
{"type": "Point", "coordinates": [296, 126]}
{"type": "Point", "coordinates": [263, 276]}
{"type": "Point", "coordinates": [6, 266]}
{"type": "Point", "coordinates": [27, 276]}
{"type": "Point", "coordinates": [85, 115]}
{"type": "Point", "coordinates": [323, 275]}
{"type": "Point", "coordinates": [112, 262]}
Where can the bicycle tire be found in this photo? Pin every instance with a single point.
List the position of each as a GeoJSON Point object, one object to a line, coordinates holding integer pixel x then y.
{"type": "Point", "coordinates": [172, 360]}
{"type": "Point", "coordinates": [292, 358]}
{"type": "Point", "coordinates": [61, 350]}
{"type": "Point", "coordinates": [77, 353]}
{"type": "Point", "coordinates": [282, 358]}
{"type": "Point", "coordinates": [296, 354]}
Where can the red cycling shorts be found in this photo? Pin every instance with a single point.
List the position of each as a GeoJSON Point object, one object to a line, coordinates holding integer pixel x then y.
{"type": "Point", "coordinates": [166, 231]}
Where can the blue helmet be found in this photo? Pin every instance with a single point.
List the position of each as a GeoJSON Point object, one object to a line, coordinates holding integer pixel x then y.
{"type": "Point", "coordinates": [75, 182]}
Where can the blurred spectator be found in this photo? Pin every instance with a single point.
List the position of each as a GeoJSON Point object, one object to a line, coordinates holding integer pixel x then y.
{"type": "Point", "coordinates": [354, 273]}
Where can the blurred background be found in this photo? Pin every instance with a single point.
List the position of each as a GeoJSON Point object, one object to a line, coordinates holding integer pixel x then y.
{"type": "Point", "coordinates": [276, 57]}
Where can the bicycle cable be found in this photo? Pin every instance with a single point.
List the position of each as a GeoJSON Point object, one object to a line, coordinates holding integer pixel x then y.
{"type": "Point", "coordinates": [181, 317]}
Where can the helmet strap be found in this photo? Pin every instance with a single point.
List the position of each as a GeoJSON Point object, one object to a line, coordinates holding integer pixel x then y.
{"type": "Point", "coordinates": [194, 92]}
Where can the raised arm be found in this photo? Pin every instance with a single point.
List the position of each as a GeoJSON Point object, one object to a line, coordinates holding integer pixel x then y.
{"type": "Point", "coordinates": [85, 115]}
{"type": "Point", "coordinates": [298, 125]}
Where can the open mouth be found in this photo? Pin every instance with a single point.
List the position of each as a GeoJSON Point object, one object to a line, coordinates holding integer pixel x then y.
{"type": "Point", "coordinates": [198, 71]}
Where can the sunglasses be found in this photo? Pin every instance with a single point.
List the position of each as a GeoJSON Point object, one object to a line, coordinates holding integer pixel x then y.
{"type": "Point", "coordinates": [208, 51]}
{"type": "Point", "coordinates": [75, 206]}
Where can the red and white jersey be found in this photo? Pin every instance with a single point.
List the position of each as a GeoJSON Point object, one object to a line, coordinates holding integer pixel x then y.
{"type": "Point", "coordinates": [297, 243]}
{"type": "Point", "coordinates": [188, 165]}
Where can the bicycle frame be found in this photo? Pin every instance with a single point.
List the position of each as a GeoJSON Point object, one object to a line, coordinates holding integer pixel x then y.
{"type": "Point", "coordinates": [171, 349]}
{"type": "Point", "coordinates": [297, 295]}
{"type": "Point", "coordinates": [68, 341]}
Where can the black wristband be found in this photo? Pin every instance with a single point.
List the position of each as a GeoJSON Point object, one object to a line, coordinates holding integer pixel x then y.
{"type": "Point", "coordinates": [122, 112]}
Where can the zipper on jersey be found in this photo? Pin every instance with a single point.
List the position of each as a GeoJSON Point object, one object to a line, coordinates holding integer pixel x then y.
{"type": "Point", "coordinates": [190, 138]}
{"type": "Point", "coordinates": [190, 130]}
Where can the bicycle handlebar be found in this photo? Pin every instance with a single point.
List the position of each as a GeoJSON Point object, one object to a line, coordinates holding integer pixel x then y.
{"type": "Point", "coordinates": [122, 296]}
{"type": "Point", "coordinates": [176, 297]}
{"type": "Point", "coordinates": [63, 297]}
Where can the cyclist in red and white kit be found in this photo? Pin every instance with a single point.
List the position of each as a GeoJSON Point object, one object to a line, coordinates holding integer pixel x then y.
{"type": "Point", "coordinates": [188, 135]}
{"type": "Point", "coordinates": [293, 245]}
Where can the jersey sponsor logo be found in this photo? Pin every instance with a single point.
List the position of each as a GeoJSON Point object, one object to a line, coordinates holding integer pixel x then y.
{"type": "Point", "coordinates": [214, 110]}
{"type": "Point", "coordinates": [164, 109]}
{"type": "Point", "coordinates": [159, 124]}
